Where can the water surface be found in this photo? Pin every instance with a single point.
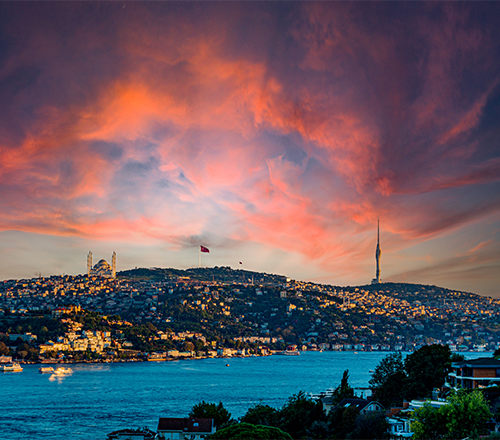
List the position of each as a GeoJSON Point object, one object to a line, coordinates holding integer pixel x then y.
{"type": "Point", "coordinates": [99, 398]}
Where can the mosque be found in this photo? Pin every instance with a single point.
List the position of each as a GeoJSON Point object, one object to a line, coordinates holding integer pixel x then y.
{"type": "Point", "coordinates": [102, 268]}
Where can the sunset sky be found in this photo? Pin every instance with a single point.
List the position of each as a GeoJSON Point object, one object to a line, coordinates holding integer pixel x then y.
{"type": "Point", "coordinates": [273, 133]}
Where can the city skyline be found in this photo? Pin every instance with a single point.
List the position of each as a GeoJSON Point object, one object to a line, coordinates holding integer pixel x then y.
{"type": "Point", "coordinates": [274, 133]}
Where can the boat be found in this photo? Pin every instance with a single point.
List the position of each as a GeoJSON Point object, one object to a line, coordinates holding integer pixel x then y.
{"type": "Point", "coordinates": [157, 357]}
{"type": "Point", "coordinates": [13, 367]}
{"type": "Point", "coordinates": [291, 350]}
{"type": "Point", "coordinates": [46, 370]}
{"type": "Point", "coordinates": [62, 371]}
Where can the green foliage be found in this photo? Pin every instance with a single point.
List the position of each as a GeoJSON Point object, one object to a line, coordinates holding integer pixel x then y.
{"type": "Point", "coordinates": [247, 431]}
{"type": "Point", "coordinates": [455, 357]}
{"type": "Point", "coordinates": [497, 352]}
{"type": "Point", "coordinates": [205, 410]}
{"type": "Point", "coordinates": [370, 426]}
{"type": "Point", "coordinates": [342, 421]}
{"type": "Point", "coordinates": [344, 390]}
{"type": "Point", "coordinates": [261, 415]}
{"type": "Point", "coordinates": [298, 414]}
{"type": "Point", "coordinates": [464, 416]}
{"type": "Point", "coordinates": [389, 379]}
{"type": "Point", "coordinates": [426, 369]}
{"type": "Point", "coordinates": [428, 423]}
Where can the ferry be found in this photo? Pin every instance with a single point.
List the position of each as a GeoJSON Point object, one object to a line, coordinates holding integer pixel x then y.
{"type": "Point", "coordinates": [291, 350]}
{"type": "Point", "coordinates": [12, 367]}
{"type": "Point", "coordinates": [46, 370]}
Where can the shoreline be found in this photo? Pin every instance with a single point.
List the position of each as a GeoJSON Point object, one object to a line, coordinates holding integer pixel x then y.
{"type": "Point", "coordinates": [196, 358]}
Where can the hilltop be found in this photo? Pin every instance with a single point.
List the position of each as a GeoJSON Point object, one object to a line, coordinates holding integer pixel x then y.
{"type": "Point", "coordinates": [221, 308]}
{"type": "Point", "coordinates": [224, 274]}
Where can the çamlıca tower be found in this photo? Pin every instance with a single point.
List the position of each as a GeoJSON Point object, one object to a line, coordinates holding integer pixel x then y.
{"type": "Point", "coordinates": [377, 279]}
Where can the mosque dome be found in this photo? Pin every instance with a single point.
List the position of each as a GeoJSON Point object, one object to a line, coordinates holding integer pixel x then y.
{"type": "Point", "coordinates": [102, 269]}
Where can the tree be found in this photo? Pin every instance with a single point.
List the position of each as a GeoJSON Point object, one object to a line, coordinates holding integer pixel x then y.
{"type": "Point", "coordinates": [428, 423]}
{"type": "Point", "coordinates": [261, 415]}
{"type": "Point", "coordinates": [427, 368]}
{"type": "Point", "coordinates": [247, 431]}
{"type": "Point", "coordinates": [464, 416]}
{"type": "Point", "coordinates": [388, 381]}
{"type": "Point", "coordinates": [298, 414]}
{"type": "Point", "coordinates": [497, 352]}
{"type": "Point", "coordinates": [344, 390]}
{"type": "Point", "coordinates": [205, 410]}
{"type": "Point", "coordinates": [342, 421]}
{"type": "Point", "coordinates": [370, 426]}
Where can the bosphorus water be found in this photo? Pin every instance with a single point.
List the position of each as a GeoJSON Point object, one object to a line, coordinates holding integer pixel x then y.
{"type": "Point", "coordinates": [99, 398]}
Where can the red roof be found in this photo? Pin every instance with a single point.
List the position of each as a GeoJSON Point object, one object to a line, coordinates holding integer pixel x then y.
{"type": "Point", "coordinates": [185, 424]}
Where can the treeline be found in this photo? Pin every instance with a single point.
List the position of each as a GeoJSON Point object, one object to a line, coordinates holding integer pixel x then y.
{"type": "Point", "coordinates": [466, 413]}
{"type": "Point", "coordinates": [301, 417]}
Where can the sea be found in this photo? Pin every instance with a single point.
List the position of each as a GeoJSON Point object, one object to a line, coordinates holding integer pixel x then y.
{"type": "Point", "coordinates": [97, 399]}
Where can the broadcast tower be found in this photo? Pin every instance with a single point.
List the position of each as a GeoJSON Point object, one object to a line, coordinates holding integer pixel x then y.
{"type": "Point", "coordinates": [377, 279]}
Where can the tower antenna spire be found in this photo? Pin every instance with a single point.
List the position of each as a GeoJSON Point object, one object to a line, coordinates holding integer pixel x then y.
{"type": "Point", "coordinates": [378, 231]}
{"type": "Point", "coordinates": [378, 252]}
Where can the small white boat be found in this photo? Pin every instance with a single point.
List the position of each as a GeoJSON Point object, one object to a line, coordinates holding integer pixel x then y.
{"type": "Point", "coordinates": [46, 370]}
{"type": "Point", "coordinates": [62, 371]}
{"type": "Point", "coordinates": [13, 367]}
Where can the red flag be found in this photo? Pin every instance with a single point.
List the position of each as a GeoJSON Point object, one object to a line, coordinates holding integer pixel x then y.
{"type": "Point", "coordinates": [204, 249]}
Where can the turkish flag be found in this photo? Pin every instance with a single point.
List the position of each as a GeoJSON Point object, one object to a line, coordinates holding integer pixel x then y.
{"type": "Point", "coordinates": [204, 249]}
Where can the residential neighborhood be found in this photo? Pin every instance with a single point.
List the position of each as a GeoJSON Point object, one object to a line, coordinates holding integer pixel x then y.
{"type": "Point", "coordinates": [225, 312]}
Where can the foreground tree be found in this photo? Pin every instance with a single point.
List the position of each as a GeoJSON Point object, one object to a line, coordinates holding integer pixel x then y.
{"type": "Point", "coordinates": [205, 410]}
{"type": "Point", "coordinates": [298, 414]}
{"type": "Point", "coordinates": [464, 416]}
{"type": "Point", "coordinates": [247, 431]}
{"type": "Point", "coordinates": [427, 369]}
{"type": "Point", "coordinates": [370, 427]}
{"type": "Point", "coordinates": [428, 423]}
{"type": "Point", "coordinates": [344, 390]}
{"type": "Point", "coordinates": [342, 421]}
{"type": "Point", "coordinates": [261, 415]}
{"type": "Point", "coordinates": [388, 381]}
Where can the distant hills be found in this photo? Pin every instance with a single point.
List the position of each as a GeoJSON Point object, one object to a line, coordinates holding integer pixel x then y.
{"type": "Point", "coordinates": [226, 274]}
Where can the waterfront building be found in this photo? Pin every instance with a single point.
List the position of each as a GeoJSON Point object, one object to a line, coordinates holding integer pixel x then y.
{"type": "Point", "coordinates": [475, 373]}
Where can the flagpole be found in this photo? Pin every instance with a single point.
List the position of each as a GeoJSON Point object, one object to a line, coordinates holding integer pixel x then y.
{"type": "Point", "coordinates": [199, 259]}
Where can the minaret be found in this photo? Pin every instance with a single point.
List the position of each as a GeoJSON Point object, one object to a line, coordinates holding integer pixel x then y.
{"type": "Point", "coordinates": [89, 263]}
{"type": "Point", "coordinates": [377, 279]}
{"type": "Point", "coordinates": [113, 264]}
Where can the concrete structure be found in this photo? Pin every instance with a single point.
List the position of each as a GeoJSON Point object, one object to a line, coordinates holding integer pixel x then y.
{"type": "Point", "coordinates": [475, 373]}
{"type": "Point", "coordinates": [378, 252]}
